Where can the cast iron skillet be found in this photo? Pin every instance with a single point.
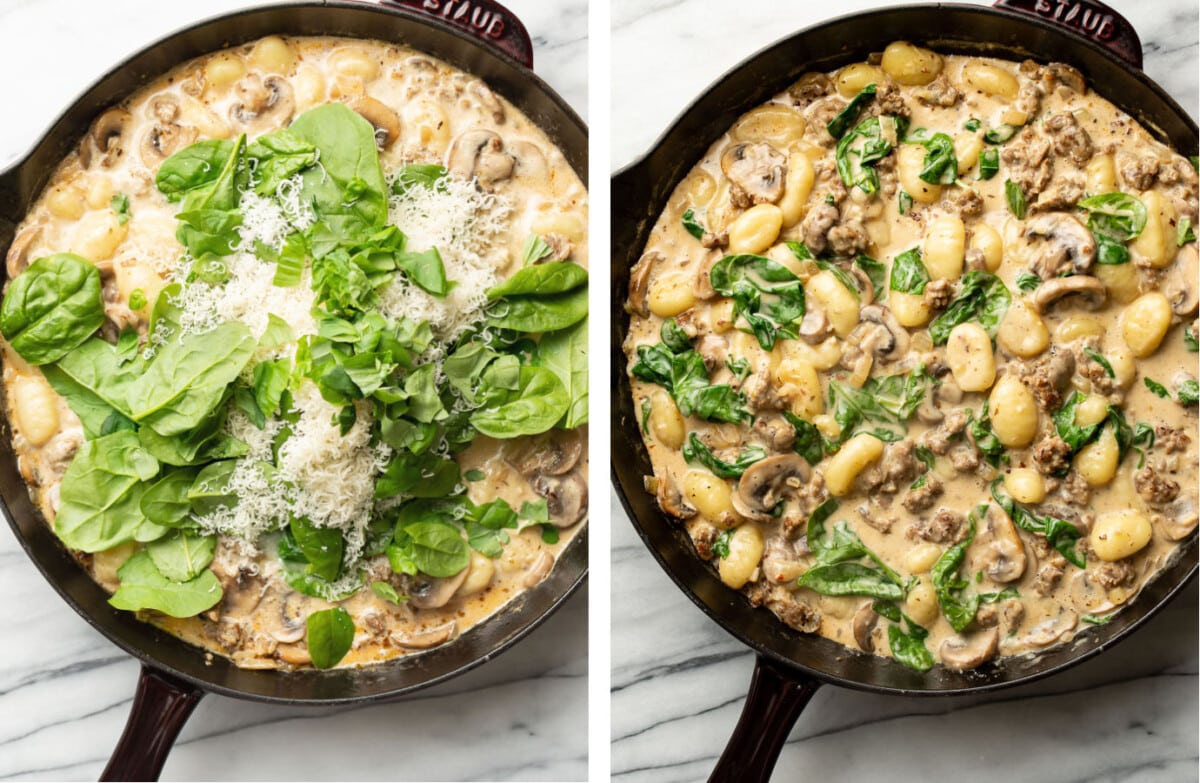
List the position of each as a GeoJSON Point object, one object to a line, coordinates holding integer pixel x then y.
{"type": "Point", "coordinates": [791, 666]}
{"type": "Point", "coordinates": [489, 43]}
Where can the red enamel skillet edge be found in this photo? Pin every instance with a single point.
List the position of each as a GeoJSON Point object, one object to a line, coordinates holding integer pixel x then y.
{"type": "Point", "coordinates": [790, 666]}
{"type": "Point", "coordinates": [489, 42]}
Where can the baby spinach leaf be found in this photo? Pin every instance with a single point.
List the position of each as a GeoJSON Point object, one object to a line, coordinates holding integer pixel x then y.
{"type": "Point", "coordinates": [720, 547]}
{"type": "Point", "coordinates": [859, 150]}
{"type": "Point", "coordinates": [388, 593]}
{"type": "Point", "coordinates": [565, 354]}
{"type": "Point", "coordinates": [909, 648]}
{"type": "Point", "coordinates": [904, 202]}
{"type": "Point", "coordinates": [1119, 217]}
{"type": "Point", "coordinates": [765, 293]}
{"type": "Point", "coordinates": [144, 587]}
{"type": "Point", "coordinates": [693, 226]}
{"type": "Point", "coordinates": [851, 579]}
{"type": "Point", "coordinates": [210, 491]}
{"type": "Point", "coordinates": [52, 307]}
{"type": "Point", "coordinates": [188, 378]}
{"type": "Point", "coordinates": [535, 249]}
{"type": "Point", "coordinates": [207, 442]}
{"type": "Point", "coordinates": [909, 275]}
{"type": "Point", "coordinates": [348, 182]}
{"type": "Point", "coordinates": [420, 475]}
{"type": "Point", "coordinates": [985, 437]}
{"type": "Point", "coordinates": [1061, 535]}
{"type": "Point", "coordinates": [537, 405]}
{"type": "Point", "coordinates": [555, 277]}
{"type": "Point", "coordinates": [958, 603]}
{"type": "Point", "coordinates": [426, 271]}
{"type": "Point", "coordinates": [1000, 133]}
{"type": "Point", "coordinates": [424, 175]}
{"type": "Point", "coordinates": [534, 314]}
{"type": "Point", "coordinates": [1185, 232]}
{"type": "Point", "coordinates": [207, 233]}
{"type": "Point", "coordinates": [1016, 199]}
{"type": "Point", "coordinates": [940, 166]}
{"type": "Point", "coordinates": [92, 411]}
{"type": "Point", "coordinates": [989, 163]}
{"type": "Point", "coordinates": [277, 157]}
{"type": "Point", "coordinates": [196, 166]}
{"type": "Point", "coordinates": [876, 272]}
{"type": "Point", "coordinates": [1028, 282]}
{"type": "Point", "coordinates": [330, 632]}
{"type": "Point", "coordinates": [695, 451]}
{"type": "Point", "coordinates": [1189, 392]}
{"type": "Point", "coordinates": [120, 208]}
{"type": "Point", "coordinates": [101, 492]}
{"type": "Point", "coordinates": [809, 443]}
{"type": "Point", "coordinates": [684, 375]}
{"type": "Point", "coordinates": [841, 123]}
{"type": "Point", "coordinates": [982, 297]}
{"type": "Point", "coordinates": [438, 548]}
{"type": "Point", "coordinates": [321, 546]}
{"type": "Point", "coordinates": [1190, 339]}
{"type": "Point", "coordinates": [181, 556]}
{"type": "Point", "coordinates": [1072, 434]}
{"type": "Point", "coordinates": [165, 502]}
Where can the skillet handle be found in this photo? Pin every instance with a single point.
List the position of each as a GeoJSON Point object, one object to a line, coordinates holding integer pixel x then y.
{"type": "Point", "coordinates": [1090, 19]}
{"type": "Point", "coordinates": [777, 697]}
{"type": "Point", "coordinates": [161, 705]}
{"type": "Point", "coordinates": [486, 20]}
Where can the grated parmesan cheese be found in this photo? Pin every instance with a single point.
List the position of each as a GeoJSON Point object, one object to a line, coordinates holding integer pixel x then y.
{"type": "Point", "coordinates": [463, 224]}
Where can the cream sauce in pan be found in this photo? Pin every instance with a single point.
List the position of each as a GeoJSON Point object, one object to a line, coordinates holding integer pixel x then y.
{"type": "Point", "coordinates": [773, 178]}
{"type": "Point", "coordinates": [424, 111]}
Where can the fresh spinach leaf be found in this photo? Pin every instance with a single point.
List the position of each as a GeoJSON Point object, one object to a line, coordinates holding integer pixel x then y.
{"type": "Point", "coordinates": [989, 163]}
{"type": "Point", "coordinates": [1000, 133]}
{"type": "Point", "coordinates": [438, 548]}
{"type": "Point", "coordinates": [909, 648]}
{"type": "Point", "coordinates": [1028, 282]}
{"type": "Point", "coordinates": [904, 202]}
{"type": "Point", "coordinates": [538, 404]}
{"type": "Point", "coordinates": [348, 183]}
{"type": "Point", "coordinates": [909, 275]}
{"type": "Point", "coordinates": [876, 272]}
{"type": "Point", "coordinates": [565, 354]}
{"type": "Point", "coordinates": [958, 603]}
{"type": "Point", "coordinates": [1015, 196]}
{"type": "Point", "coordinates": [555, 277]}
{"type": "Point", "coordinates": [694, 451]}
{"type": "Point", "coordinates": [841, 123]}
{"type": "Point", "coordinates": [1189, 392]}
{"type": "Point", "coordinates": [691, 225]}
{"type": "Point", "coordinates": [940, 166]}
{"type": "Point", "coordinates": [330, 632]}
{"type": "Point", "coordinates": [165, 502]}
{"type": "Point", "coordinates": [322, 547]}
{"type": "Point", "coordinates": [859, 150]}
{"type": "Point", "coordinates": [535, 314]}
{"type": "Point", "coordinates": [851, 579]}
{"type": "Point", "coordinates": [683, 374]}
{"type": "Point", "coordinates": [388, 593]}
{"type": "Point", "coordinates": [765, 293]}
{"type": "Point", "coordinates": [1100, 360]}
{"type": "Point", "coordinates": [424, 175]}
{"type": "Point", "coordinates": [181, 556]}
{"type": "Point", "coordinates": [144, 587]}
{"type": "Point", "coordinates": [982, 297]}
{"type": "Point", "coordinates": [51, 308]}
{"type": "Point", "coordinates": [1119, 217]}
{"type": "Point", "coordinates": [101, 493]}
{"type": "Point", "coordinates": [1060, 534]}
{"type": "Point", "coordinates": [1185, 232]}
{"type": "Point", "coordinates": [809, 443]}
{"type": "Point", "coordinates": [277, 157]}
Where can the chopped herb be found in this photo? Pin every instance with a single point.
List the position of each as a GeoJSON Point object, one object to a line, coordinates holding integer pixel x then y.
{"type": "Point", "coordinates": [692, 226]}
{"type": "Point", "coordinates": [838, 126]}
{"type": "Point", "coordinates": [1157, 388]}
{"type": "Point", "coordinates": [904, 202]}
{"type": "Point", "coordinates": [120, 205]}
{"type": "Point", "coordinates": [1016, 199]}
{"type": "Point", "coordinates": [137, 299]}
{"type": "Point", "coordinates": [973, 124]}
{"type": "Point", "coordinates": [989, 163]}
{"type": "Point", "coordinates": [739, 367]}
{"type": "Point", "coordinates": [1027, 281]}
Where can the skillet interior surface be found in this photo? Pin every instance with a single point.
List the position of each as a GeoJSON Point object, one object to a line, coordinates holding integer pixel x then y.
{"type": "Point", "coordinates": [639, 195]}
{"type": "Point", "coordinates": [20, 186]}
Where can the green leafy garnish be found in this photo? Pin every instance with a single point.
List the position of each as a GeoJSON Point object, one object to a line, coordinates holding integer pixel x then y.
{"type": "Point", "coordinates": [989, 163]}
{"type": "Point", "coordinates": [1016, 199]}
{"type": "Point", "coordinates": [120, 207]}
{"type": "Point", "coordinates": [838, 126]}
{"type": "Point", "coordinates": [1028, 282]}
{"type": "Point", "coordinates": [1157, 388]}
{"type": "Point", "coordinates": [692, 225]}
{"type": "Point", "coordinates": [909, 275]}
{"type": "Point", "coordinates": [330, 636]}
{"type": "Point", "coordinates": [982, 297]}
{"type": "Point", "coordinates": [765, 293]}
{"type": "Point", "coordinates": [694, 451]}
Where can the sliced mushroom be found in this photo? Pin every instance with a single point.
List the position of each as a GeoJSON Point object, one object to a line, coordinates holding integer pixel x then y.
{"type": "Point", "coordinates": [430, 592]}
{"type": "Point", "coordinates": [714, 349]}
{"type": "Point", "coordinates": [243, 594]}
{"type": "Point", "coordinates": [1003, 555]}
{"type": "Point", "coordinates": [261, 104]}
{"type": "Point", "coordinates": [107, 139]}
{"type": "Point", "coordinates": [866, 288]}
{"type": "Point", "coordinates": [383, 119]}
{"type": "Point", "coordinates": [488, 100]}
{"type": "Point", "coordinates": [1180, 518]}
{"type": "Point", "coordinates": [758, 170]}
{"type": "Point", "coordinates": [423, 640]}
{"type": "Point", "coordinates": [948, 391]}
{"type": "Point", "coordinates": [538, 570]}
{"type": "Point", "coordinates": [776, 431]}
{"type": "Point", "coordinates": [531, 161]}
{"type": "Point", "coordinates": [18, 251]}
{"type": "Point", "coordinates": [566, 497]}
{"type": "Point", "coordinates": [669, 498]}
{"type": "Point", "coordinates": [1182, 284]}
{"type": "Point", "coordinates": [1086, 286]}
{"type": "Point", "coordinates": [1065, 240]}
{"type": "Point", "coordinates": [161, 141]}
{"type": "Point", "coordinates": [294, 654]}
{"type": "Point", "coordinates": [765, 483]}
{"type": "Point", "coordinates": [961, 653]}
{"type": "Point", "coordinates": [890, 340]}
{"type": "Point", "coordinates": [639, 282]}
{"type": "Point", "coordinates": [1052, 630]}
{"type": "Point", "coordinates": [552, 453]}
{"type": "Point", "coordinates": [480, 154]}
{"type": "Point", "coordinates": [165, 108]}
{"type": "Point", "coordinates": [781, 561]}
{"type": "Point", "coordinates": [865, 620]}
{"type": "Point", "coordinates": [288, 624]}
{"type": "Point", "coordinates": [929, 413]}
{"type": "Point", "coordinates": [815, 326]}
{"type": "Point", "coordinates": [1068, 77]}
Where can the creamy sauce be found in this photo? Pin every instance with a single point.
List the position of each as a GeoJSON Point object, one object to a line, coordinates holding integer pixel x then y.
{"type": "Point", "coordinates": [771, 179]}
{"type": "Point", "coordinates": [425, 112]}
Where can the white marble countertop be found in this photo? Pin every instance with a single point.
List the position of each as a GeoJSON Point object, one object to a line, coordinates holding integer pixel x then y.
{"type": "Point", "coordinates": [65, 690]}
{"type": "Point", "coordinates": [679, 681]}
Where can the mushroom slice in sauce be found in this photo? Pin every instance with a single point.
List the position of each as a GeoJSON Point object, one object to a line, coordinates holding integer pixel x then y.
{"type": "Point", "coordinates": [758, 169]}
{"type": "Point", "coordinates": [106, 139]}
{"type": "Point", "coordinates": [566, 497]}
{"type": "Point", "coordinates": [479, 154]}
{"type": "Point", "coordinates": [423, 640]}
{"type": "Point", "coordinates": [961, 653]}
{"type": "Point", "coordinates": [766, 482]}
